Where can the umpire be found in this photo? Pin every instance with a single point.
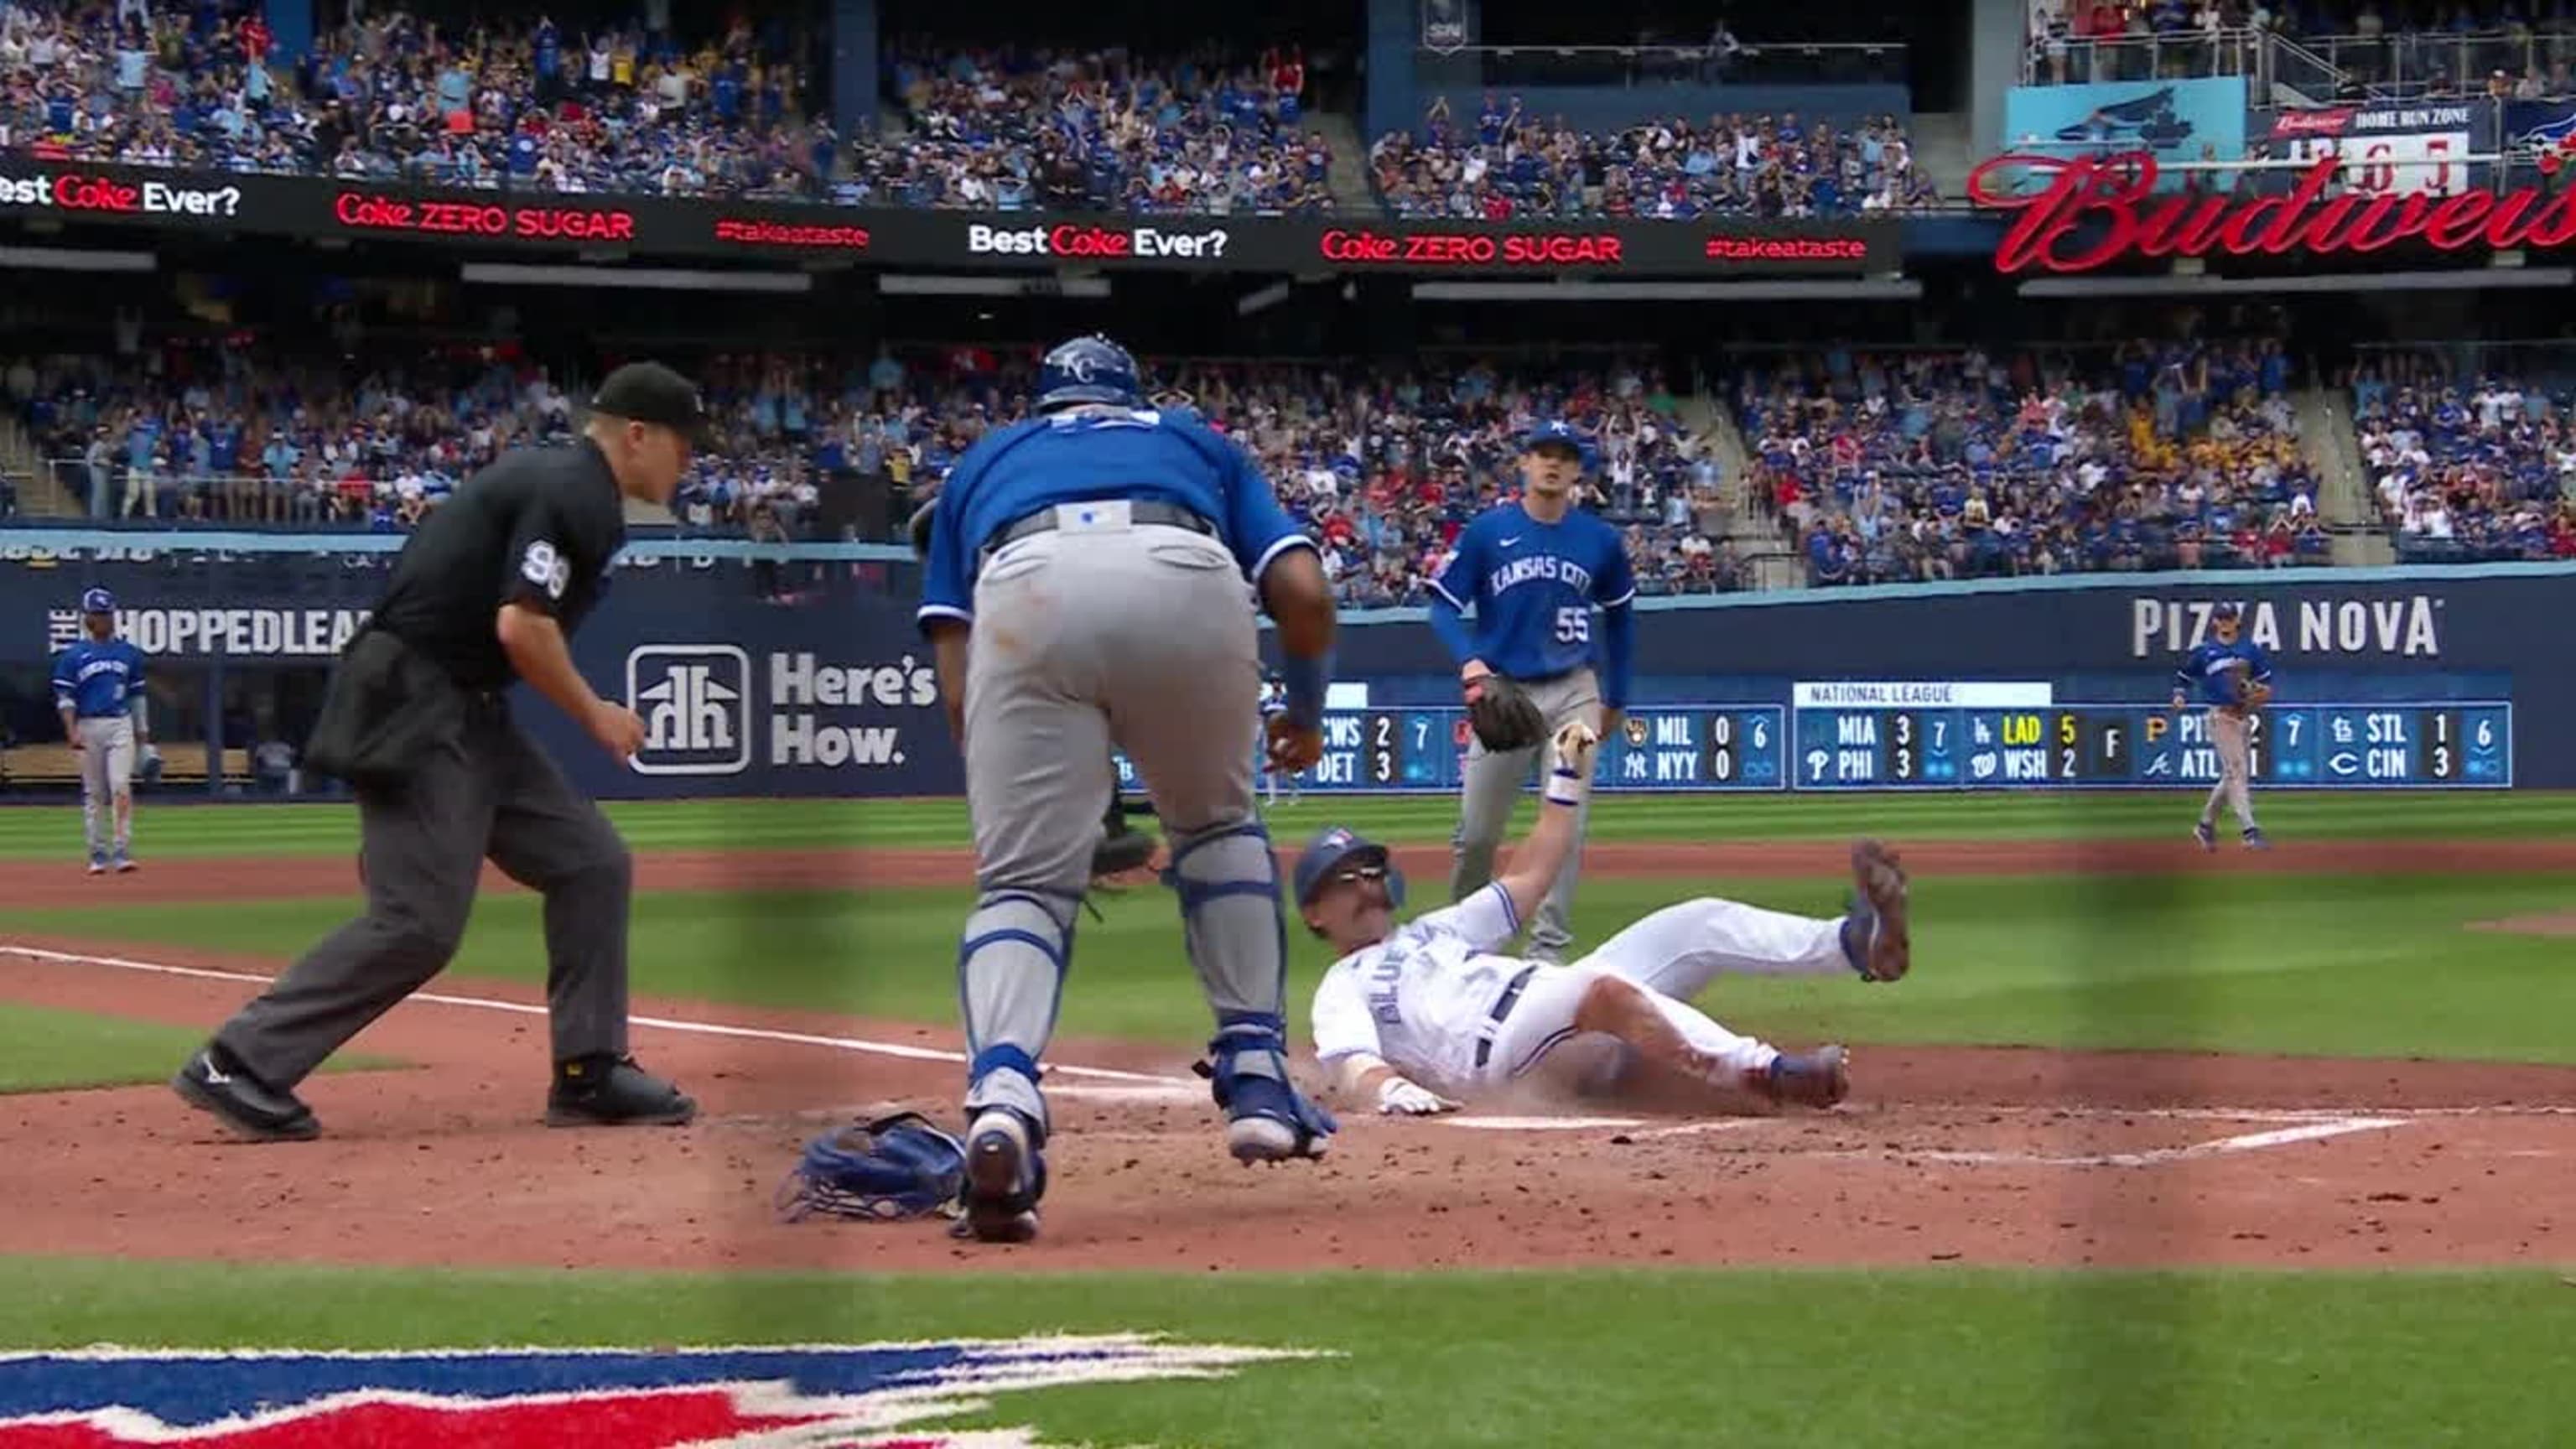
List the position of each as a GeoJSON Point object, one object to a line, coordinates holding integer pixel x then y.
{"type": "Point", "coordinates": [417, 721]}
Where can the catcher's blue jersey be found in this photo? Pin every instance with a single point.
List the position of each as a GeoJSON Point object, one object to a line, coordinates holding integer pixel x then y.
{"type": "Point", "coordinates": [1532, 587]}
{"type": "Point", "coordinates": [1088, 453]}
{"type": "Point", "coordinates": [2209, 672]}
{"type": "Point", "coordinates": [99, 681]}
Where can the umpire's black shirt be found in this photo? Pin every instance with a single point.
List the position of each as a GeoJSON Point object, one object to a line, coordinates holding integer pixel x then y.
{"type": "Point", "coordinates": [538, 528]}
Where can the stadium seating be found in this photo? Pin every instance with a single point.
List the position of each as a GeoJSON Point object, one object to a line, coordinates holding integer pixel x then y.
{"type": "Point", "coordinates": [1505, 162]}
{"type": "Point", "coordinates": [1908, 466]}
{"type": "Point", "coordinates": [1105, 130]}
{"type": "Point", "coordinates": [2474, 469]}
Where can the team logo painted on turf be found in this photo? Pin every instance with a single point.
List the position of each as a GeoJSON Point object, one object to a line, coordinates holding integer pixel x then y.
{"type": "Point", "coordinates": [802, 1397]}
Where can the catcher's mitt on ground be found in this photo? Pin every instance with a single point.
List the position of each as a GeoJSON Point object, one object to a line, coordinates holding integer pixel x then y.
{"type": "Point", "coordinates": [888, 1170]}
{"type": "Point", "coordinates": [1504, 716]}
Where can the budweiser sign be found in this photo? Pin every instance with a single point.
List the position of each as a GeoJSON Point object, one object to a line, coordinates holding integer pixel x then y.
{"type": "Point", "coordinates": [2096, 210]}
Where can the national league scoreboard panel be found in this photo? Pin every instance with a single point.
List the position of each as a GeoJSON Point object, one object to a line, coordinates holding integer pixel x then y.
{"type": "Point", "coordinates": [1935, 735]}
{"type": "Point", "coordinates": [1980, 736]}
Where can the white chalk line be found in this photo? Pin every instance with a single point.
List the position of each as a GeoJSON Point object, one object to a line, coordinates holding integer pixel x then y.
{"type": "Point", "coordinates": [1146, 1086]}
{"type": "Point", "coordinates": [662, 1023]}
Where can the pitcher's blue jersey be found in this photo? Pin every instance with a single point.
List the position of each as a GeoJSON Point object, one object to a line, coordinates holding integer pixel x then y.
{"type": "Point", "coordinates": [1139, 454]}
{"type": "Point", "coordinates": [99, 681]}
{"type": "Point", "coordinates": [2207, 673]}
{"type": "Point", "coordinates": [1532, 587]}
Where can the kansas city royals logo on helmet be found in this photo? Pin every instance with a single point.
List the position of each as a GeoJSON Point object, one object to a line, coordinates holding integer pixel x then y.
{"type": "Point", "coordinates": [861, 1396]}
{"type": "Point", "coordinates": [98, 601]}
{"type": "Point", "coordinates": [1089, 370]}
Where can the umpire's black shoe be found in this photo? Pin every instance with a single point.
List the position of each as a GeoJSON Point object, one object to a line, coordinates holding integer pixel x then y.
{"type": "Point", "coordinates": [614, 1092]}
{"type": "Point", "coordinates": [213, 1082]}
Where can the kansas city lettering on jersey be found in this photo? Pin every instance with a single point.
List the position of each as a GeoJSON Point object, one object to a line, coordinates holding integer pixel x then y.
{"type": "Point", "coordinates": [1540, 568]}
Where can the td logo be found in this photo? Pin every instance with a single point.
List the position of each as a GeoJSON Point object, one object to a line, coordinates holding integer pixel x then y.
{"type": "Point", "coordinates": [695, 700]}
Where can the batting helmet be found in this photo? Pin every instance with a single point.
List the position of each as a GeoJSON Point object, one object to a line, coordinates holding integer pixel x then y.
{"type": "Point", "coordinates": [1330, 849]}
{"type": "Point", "coordinates": [1089, 369]}
{"type": "Point", "coordinates": [98, 601]}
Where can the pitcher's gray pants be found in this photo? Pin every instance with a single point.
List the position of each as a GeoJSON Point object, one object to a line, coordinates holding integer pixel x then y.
{"type": "Point", "coordinates": [495, 793]}
{"type": "Point", "coordinates": [107, 780]}
{"type": "Point", "coordinates": [1142, 635]}
{"type": "Point", "coordinates": [1493, 784]}
{"type": "Point", "coordinates": [2232, 735]}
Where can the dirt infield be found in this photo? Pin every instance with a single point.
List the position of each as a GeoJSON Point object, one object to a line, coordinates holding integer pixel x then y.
{"type": "Point", "coordinates": [2546, 923]}
{"type": "Point", "coordinates": [1943, 1155]}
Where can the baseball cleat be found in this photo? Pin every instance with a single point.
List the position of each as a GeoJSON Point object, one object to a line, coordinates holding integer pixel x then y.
{"type": "Point", "coordinates": [603, 1091]}
{"type": "Point", "coordinates": [97, 863]}
{"type": "Point", "coordinates": [256, 1111]}
{"type": "Point", "coordinates": [2254, 841]}
{"type": "Point", "coordinates": [1005, 1177]}
{"type": "Point", "coordinates": [1819, 1078]}
{"type": "Point", "coordinates": [123, 862]}
{"type": "Point", "coordinates": [1875, 938]}
{"type": "Point", "coordinates": [2207, 837]}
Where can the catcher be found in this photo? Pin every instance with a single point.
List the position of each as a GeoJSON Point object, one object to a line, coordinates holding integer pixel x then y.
{"type": "Point", "coordinates": [1415, 1018]}
{"type": "Point", "coordinates": [2233, 678]}
{"type": "Point", "coordinates": [1532, 572]}
{"type": "Point", "coordinates": [1122, 847]}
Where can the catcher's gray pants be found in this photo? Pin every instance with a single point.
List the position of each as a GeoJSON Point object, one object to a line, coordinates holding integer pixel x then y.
{"type": "Point", "coordinates": [1493, 784]}
{"type": "Point", "coordinates": [107, 779]}
{"type": "Point", "coordinates": [493, 792]}
{"type": "Point", "coordinates": [2232, 734]}
{"type": "Point", "coordinates": [1141, 634]}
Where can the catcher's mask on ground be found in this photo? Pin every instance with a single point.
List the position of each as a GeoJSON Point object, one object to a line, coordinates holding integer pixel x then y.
{"type": "Point", "coordinates": [1347, 890]}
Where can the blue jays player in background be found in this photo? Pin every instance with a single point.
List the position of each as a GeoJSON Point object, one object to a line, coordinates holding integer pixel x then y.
{"type": "Point", "coordinates": [98, 687]}
{"type": "Point", "coordinates": [1532, 572]}
{"type": "Point", "coordinates": [1084, 586]}
{"type": "Point", "coordinates": [1274, 702]}
{"type": "Point", "coordinates": [2232, 678]}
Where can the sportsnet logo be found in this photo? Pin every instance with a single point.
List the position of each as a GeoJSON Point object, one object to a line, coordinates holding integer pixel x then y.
{"type": "Point", "coordinates": [695, 700]}
{"type": "Point", "coordinates": [845, 1397]}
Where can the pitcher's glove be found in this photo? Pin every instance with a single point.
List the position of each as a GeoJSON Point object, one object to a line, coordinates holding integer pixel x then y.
{"type": "Point", "coordinates": [1503, 714]}
{"type": "Point", "coordinates": [2254, 695]}
{"type": "Point", "coordinates": [888, 1170]}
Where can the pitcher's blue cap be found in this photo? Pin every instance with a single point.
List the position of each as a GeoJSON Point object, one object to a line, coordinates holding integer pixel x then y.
{"type": "Point", "coordinates": [2227, 614]}
{"type": "Point", "coordinates": [98, 601]}
{"type": "Point", "coordinates": [1558, 430]}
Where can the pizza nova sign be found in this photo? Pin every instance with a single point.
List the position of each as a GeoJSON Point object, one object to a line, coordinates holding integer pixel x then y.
{"type": "Point", "coordinates": [2093, 211]}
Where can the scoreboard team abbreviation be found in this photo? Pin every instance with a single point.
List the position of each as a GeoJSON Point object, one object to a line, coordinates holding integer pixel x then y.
{"type": "Point", "coordinates": [1940, 735]}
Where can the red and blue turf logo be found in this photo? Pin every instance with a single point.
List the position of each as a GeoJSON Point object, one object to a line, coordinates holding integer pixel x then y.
{"type": "Point", "coordinates": [804, 1397]}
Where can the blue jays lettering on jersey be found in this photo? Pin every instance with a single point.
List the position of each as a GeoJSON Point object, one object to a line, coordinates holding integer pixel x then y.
{"type": "Point", "coordinates": [1532, 587]}
{"type": "Point", "coordinates": [99, 681]}
{"type": "Point", "coordinates": [2206, 671]}
{"type": "Point", "coordinates": [1138, 454]}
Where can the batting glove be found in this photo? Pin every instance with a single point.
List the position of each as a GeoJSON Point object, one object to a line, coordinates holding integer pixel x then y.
{"type": "Point", "coordinates": [1398, 1097]}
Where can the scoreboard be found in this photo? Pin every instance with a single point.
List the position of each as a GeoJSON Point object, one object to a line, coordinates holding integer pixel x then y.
{"type": "Point", "coordinates": [1656, 747]}
{"type": "Point", "coordinates": [1966, 736]}
{"type": "Point", "coordinates": [2099, 746]}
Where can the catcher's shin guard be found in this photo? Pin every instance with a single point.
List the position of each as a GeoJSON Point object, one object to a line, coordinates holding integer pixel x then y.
{"type": "Point", "coordinates": [1010, 980]}
{"type": "Point", "coordinates": [1267, 1118]}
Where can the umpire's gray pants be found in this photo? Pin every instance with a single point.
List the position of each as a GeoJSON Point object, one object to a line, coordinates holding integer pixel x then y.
{"type": "Point", "coordinates": [1143, 635]}
{"type": "Point", "coordinates": [1492, 785]}
{"type": "Point", "coordinates": [422, 846]}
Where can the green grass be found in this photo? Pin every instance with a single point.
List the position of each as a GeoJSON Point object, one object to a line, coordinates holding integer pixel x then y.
{"type": "Point", "coordinates": [43, 1049]}
{"type": "Point", "coordinates": [1685, 1359]}
{"type": "Point", "coordinates": [2319, 964]}
{"type": "Point", "coordinates": [170, 832]}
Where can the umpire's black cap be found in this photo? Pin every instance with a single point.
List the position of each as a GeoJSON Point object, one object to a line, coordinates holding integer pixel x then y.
{"type": "Point", "coordinates": [648, 392]}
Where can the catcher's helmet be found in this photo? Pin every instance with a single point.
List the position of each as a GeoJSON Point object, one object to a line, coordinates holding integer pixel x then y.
{"type": "Point", "coordinates": [1089, 369]}
{"type": "Point", "coordinates": [1332, 846]}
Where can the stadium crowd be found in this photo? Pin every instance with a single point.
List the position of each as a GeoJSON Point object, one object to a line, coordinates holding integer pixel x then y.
{"type": "Point", "coordinates": [1512, 163]}
{"type": "Point", "coordinates": [392, 97]}
{"type": "Point", "coordinates": [2432, 48]}
{"type": "Point", "coordinates": [1105, 130]}
{"type": "Point", "coordinates": [1906, 466]}
{"type": "Point", "coordinates": [2476, 469]}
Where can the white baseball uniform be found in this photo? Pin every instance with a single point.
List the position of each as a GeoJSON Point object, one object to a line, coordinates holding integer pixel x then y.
{"type": "Point", "coordinates": [1432, 1001]}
